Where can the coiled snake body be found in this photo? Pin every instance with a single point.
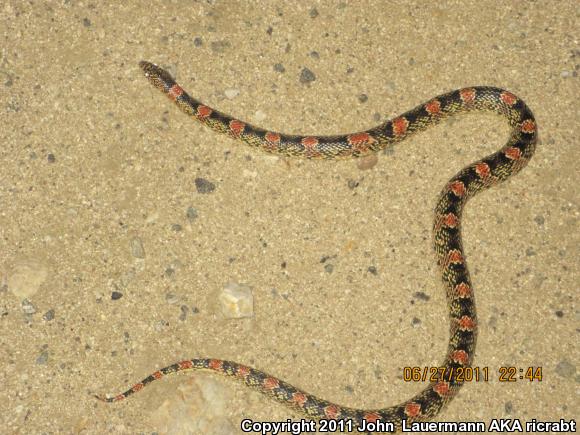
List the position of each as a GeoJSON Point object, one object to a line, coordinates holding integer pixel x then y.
{"type": "Point", "coordinates": [447, 243]}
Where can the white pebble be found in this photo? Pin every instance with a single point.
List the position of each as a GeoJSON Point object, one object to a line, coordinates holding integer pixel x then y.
{"type": "Point", "coordinates": [28, 307]}
{"type": "Point", "coordinates": [137, 248]}
{"type": "Point", "coordinates": [237, 301]}
{"type": "Point", "coordinates": [232, 93]}
{"type": "Point", "coordinates": [259, 116]}
{"type": "Point", "coordinates": [26, 277]}
{"type": "Point", "coordinates": [249, 174]}
{"type": "Point", "coordinates": [200, 405]}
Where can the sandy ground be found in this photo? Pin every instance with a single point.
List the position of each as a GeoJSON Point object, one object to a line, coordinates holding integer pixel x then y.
{"type": "Point", "coordinates": [97, 164]}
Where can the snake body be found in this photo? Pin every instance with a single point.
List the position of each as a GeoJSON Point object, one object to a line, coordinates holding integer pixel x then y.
{"type": "Point", "coordinates": [447, 243]}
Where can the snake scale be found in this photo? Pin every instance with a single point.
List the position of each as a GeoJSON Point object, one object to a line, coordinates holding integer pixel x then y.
{"type": "Point", "coordinates": [447, 243]}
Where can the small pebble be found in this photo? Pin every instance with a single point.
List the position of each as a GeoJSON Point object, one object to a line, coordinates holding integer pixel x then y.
{"type": "Point", "coordinates": [28, 307]}
{"type": "Point", "coordinates": [200, 405]}
{"type": "Point", "coordinates": [42, 358]}
{"type": "Point", "coordinates": [231, 93]}
{"type": "Point", "coordinates": [530, 252]}
{"type": "Point", "coordinates": [367, 162]}
{"type": "Point", "coordinates": [422, 296]}
{"type": "Point", "coordinates": [352, 184]}
{"type": "Point", "coordinates": [204, 186]}
{"type": "Point", "coordinates": [26, 277]}
{"type": "Point", "coordinates": [171, 298]}
{"type": "Point", "coordinates": [116, 295]}
{"type": "Point", "coordinates": [259, 116]}
{"type": "Point", "coordinates": [391, 86]}
{"type": "Point", "coordinates": [191, 214]}
{"type": "Point", "coordinates": [566, 369]}
{"type": "Point", "coordinates": [184, 310]}
{"type": "Point", "coordinates": [237, 301]}
{"type": "Point", "coordinates": [49, 315]}
{"type": "Point", "coordinates": [249, 174]}
{"type": "Point", "coordinates": [220, 46]}
{"type": "Point", "coordinates": [279, 68]}
{"type": "Point", "coordinates": [137, 249]}
{"type": "Point", "coordinates": [307, 76]}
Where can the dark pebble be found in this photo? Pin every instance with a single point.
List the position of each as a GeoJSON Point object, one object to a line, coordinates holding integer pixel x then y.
{"type": "Point", "coordinates": [42, 358]}
{"type": "Point", "coordinates": [566, 369]}
{"type": "Point", "coordinates": [509, 407]}
{"type": "Point", "coordinates": [422, 296]}
{"type": "Point", "coordinates": [191, 214]}
{"type": "Point", "coordinates": [352, 184]}
{"type": "Point", "coordinates": [220, 46]}
{"type": "Point", "coordinates": [184, 310]}
{"type": "Point", "coordinates": [204, 186]}
{"type": "Point", "coordinates": [530, 252]}
{"type": "Point", "coordinates": [116, 295]}
{"type": "Point", "coordinates": [307, 76]}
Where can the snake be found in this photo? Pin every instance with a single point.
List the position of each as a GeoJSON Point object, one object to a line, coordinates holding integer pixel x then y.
{"type": "Point", "coordinates": [447, 240]}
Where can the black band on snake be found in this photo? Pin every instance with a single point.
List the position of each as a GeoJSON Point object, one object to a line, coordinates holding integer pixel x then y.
{"type": "Point", "coordinates": [472, 179]}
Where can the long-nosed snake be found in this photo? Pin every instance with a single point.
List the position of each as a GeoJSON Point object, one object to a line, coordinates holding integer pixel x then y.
{"type": "Point", "coordinates": [447, 243]}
